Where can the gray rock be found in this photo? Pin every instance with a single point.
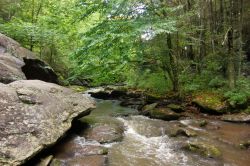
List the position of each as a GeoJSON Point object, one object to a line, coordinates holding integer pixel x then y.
{"type": "Point", "coordinates": [34, 115]}
{"type": "Point", "coordinates": [10, 68]}
{"type": "Point", "coordinates": [93, 160]}
{"type": "Point", "coordinates": [237, 118]}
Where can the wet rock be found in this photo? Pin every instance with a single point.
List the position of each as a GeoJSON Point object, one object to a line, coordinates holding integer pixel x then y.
{"type": "Point", "coordinates": [203, 149]}
{"type": "Point", "coordinates": [210, 103]}
{"type": "Point", "coordinates": [176, 108]}
{"type": "Point", "coordinates": [245, 145]}
{"type": "Point", "coordinates": [78, 147]}
{"type": "Point", "coordinates": [45, 161]}
{"type": "Point", "coordinates": [147, 108]}
{"type": "Point", "coordinates": [133, 103]}
{"type": "Point", "coordinates": [125, 114]}
{"type": "Point", "coordinates": [237, 118]}
{"type": "Point", "coordinates": [183, 132]}
{"type": "Point", "coordinates": [77, 88]}
{"type": "Point", "coordinates": [164, 114]}
{"type": "Point", "coordinates": [203, 123]}
{"type": "Point", "coordinates": [93, 160]}
{"type": "Point", "coordinates": [34, 115]}
{"type": "Point", "coordinates": [104, 133]}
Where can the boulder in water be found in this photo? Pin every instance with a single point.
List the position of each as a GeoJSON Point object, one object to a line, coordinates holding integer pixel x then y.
{"type": "Point", "coordinates": [183, 132]}
{"type": "Point", "coordinates": [164, 114]}
{"type": "Point", "coordinates": [245, 144]}
{"type": "Point", "coordinates": [210, 103]}
{"type": "Point", "coordinates": [237, 118]}
{"type": "Point", "coordinates": [34, 115]}
{"type": "Point", "coordinates": [203, 149]}
{"type": "Point", "coordinates": [104, 133]}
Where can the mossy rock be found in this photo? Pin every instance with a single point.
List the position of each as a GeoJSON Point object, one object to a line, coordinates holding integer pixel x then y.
{"type": "Point", "coordinates": [164, 114]}
{"type": "Point", "coordinates": [247, 111]}
{"type": "Point", "coordinates": [56, 162]}
{"type": "Point", "coordinates": [203, 149]}
{"type": "Point", "coordinates": [245, 145]}
{"type": "Point", "coordinates": [45, 161]}
{"type": "Point", "coordinates": [78, 88]}
{"type": "Point", "coordinates": [175, 108]}
{"type": "Point", "coordinates": [203, 123]}
{"type": "Point", "coordinates": [212, 103]}
{"type": "Point", "coordinates": [183, 132]}
{"type": "Point", "coordinates": [149, 107]}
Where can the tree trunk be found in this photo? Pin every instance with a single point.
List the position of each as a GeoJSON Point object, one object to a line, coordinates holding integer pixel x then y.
{"type": "Point", "coordinates": [174, 75]}
{"type": "Point", "coordinates": [230, 67]}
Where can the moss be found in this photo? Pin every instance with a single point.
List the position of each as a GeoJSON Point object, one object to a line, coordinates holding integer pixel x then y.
{"type": "Point", "coordinates": [56, 162]}
{"type": "Point", "coordinates": [164, 114]}
{"type": "Point", "coordinates": [245, 145]}
{"type": "Point", "coordinates": [89, 120]}
{"type": "Point", "coordinates": [78, 88]}
{"type": "Point", "coordinates": [210, 101]}
{"type": "Point", "coordinates": [175, 107]}
{"type": "Point", "coordinates": [247, 110]}
{"type": "Point", "coordinates": [203, 149]}
{"type": "Point", "coordinates": [149, 107]}
{"type": "Point", "coordinates": [183, 132]}
{"type": "Point", "coordinates": [105, 151]}
{"type": "Point", "coordinates": [203, 123]}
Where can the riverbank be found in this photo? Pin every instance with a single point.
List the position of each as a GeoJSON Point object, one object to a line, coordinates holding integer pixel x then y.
{"type": "Point", "coordinates": [115, 135]}
{"type": "Point", "coordinates": [197, 104]}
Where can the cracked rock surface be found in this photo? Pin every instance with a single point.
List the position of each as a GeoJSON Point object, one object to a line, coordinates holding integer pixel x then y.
{"type": "Point", "coordinates": [34, 115]}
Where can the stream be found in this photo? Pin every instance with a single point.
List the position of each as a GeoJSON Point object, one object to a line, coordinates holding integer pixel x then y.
{"type": "Point", "coordinates": [147, 142]}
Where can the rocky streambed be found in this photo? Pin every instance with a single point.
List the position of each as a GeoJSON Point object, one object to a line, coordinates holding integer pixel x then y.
{"type": "Point", "coordinates": [118, 136]}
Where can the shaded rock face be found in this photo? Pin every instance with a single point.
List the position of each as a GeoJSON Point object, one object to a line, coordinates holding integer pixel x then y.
{"type": "Point", "coordinates": [34, 115]}
{"type": "Point", "coordinates": [18, 63]}
{"type": "Point", "coordinates": [36, 69]}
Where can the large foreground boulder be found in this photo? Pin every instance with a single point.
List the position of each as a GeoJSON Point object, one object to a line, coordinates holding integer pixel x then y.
{"type": "Point", "coordinates": [34, 115]}
{"type": "Point", "coordinates": [18, 63]}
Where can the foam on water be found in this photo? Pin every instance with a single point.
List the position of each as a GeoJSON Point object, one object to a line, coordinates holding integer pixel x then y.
{"type": "Point", "coordinates": [159, 149]}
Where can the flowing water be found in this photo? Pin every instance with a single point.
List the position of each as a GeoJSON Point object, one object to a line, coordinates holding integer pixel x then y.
{"type": "Point", "coordinates": [146, 142]}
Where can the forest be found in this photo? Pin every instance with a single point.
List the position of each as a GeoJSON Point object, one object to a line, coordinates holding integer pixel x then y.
{"type": "Point", "coordinates": [191, 55]}
{"type": "Point", "coordinates": [157, 46]}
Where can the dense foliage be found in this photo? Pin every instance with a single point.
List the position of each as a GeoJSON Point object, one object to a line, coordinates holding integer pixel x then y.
{"type": "Point", "coordinates": [158, 46]}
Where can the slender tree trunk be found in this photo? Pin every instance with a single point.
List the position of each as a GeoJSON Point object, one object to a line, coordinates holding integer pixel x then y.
{"type": "Point", "coordinates": [173, 65]}
{"type": "Point", "coordinates": [202, 38]}
{"type": "Point", "coordinates": [32, 21]}
{"type": "Point", "coordinates": [240, 37]}
{"type": "Point", "coordinates": [231, 67]}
